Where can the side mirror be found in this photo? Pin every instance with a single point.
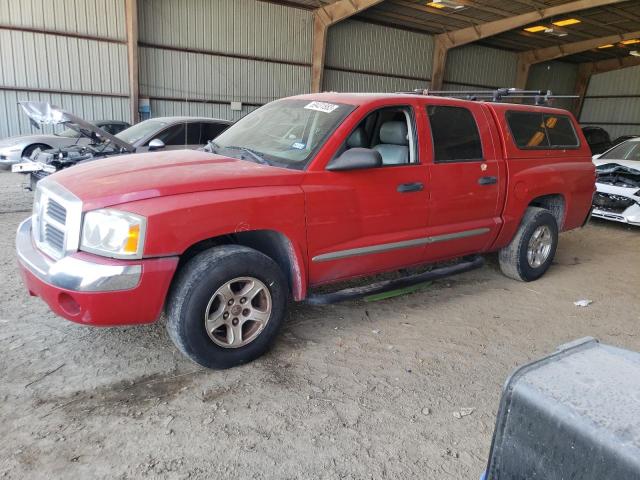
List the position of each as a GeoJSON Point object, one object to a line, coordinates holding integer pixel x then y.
{"type": "Point", "coordinates": [156, 144]}
{"type": "Point", "coordinates": [356, 159]}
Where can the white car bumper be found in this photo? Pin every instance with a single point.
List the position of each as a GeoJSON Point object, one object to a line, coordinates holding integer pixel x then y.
{"type": "Point", "coordinates": [619, 204]}
{"type": "Point", "coordinates": [10, 155]}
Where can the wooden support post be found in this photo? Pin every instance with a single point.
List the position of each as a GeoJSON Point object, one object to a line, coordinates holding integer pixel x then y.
{"type": "Point", "coordinates": [131, 14]}
{"type": "Point", "coordinates": [323, 18]}
{"type": "Point", "coordinates": [582, 84]}
{"type": "Point", "coordinates": [440, 51]}
{"type": "Point", "coordinates": [522, 73]}
{"type": "Point", "coordinates": [320, 29]}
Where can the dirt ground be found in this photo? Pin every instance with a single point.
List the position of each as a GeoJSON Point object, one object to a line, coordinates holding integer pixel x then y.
{"type": "Point", "coordinates": [356, 390]}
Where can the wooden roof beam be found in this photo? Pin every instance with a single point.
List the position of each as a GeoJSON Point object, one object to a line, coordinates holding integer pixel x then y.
{"type": "Point", "coordinates": [531, 57]}
{"type": "Point", "coordinates": [323, 18]}
{"type": "Point", "coordinates": [448, 40]}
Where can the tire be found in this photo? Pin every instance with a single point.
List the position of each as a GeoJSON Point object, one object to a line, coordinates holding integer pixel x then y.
{"type": "Point", "coordinates": [194, 294]}
{"type": "Point", "coordinates": [28, 151]}
{"type": "Point", "coordinates": [515, 261]}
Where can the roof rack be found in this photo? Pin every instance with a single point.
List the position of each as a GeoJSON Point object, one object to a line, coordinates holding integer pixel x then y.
{"type": "Point", "coordinates": [540, 97]}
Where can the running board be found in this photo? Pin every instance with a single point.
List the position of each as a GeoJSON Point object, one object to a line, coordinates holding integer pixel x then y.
{"type": "Point", "coordinates": [389, 285]}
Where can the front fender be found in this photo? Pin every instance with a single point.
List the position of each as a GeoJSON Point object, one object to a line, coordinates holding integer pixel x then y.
{"type": "Point", "coordinates": [176, 222]}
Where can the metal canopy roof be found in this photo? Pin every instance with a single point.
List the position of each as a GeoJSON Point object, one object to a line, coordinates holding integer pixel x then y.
{"type": "Point", "coordinates": [596, 22]}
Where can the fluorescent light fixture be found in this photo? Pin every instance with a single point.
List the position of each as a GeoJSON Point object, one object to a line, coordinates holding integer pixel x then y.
{"type": "Point", "coordinates": [635, 53]}
{"type": "Point", "coordinates": [555, 32]}
{"type": "Point", "coordinates": [566, 22]}
{"type": "Point", "coordinates": [449, 4]}
{"type": "Point", "coordinates": [535, 29]}
{"type": "Point", "coordinates": [608, 45]}
{"type": "Point", "coordinates": [630, 42]}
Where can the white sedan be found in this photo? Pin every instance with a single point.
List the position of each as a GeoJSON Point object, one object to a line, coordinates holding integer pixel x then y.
{"type": "Point", "coordinates": [618, 183]}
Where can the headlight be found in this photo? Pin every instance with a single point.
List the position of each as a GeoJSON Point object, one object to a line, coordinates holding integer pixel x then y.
{"type": "Point", "coordinates": [113, 233]}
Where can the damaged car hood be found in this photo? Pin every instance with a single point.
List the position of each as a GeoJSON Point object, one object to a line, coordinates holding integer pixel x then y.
{"type": "Point", "coordinates": [141, 176]}
{"type": "Point", "coordinates": [620, 173]}
{"type": "Point", "coordinates": [43, 113]}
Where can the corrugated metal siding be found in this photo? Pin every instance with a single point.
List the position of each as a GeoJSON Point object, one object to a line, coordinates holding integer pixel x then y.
{"type": "Point", "coordinates": [626, 109]}
{"type": "Point", "coordinates": [248, 28]}
{"type": "Point", "coordinates": [337, 81]}
{"type": "Point", "coordinates": [13, 121]}
{"type": "Point", "coordinates": [35, 60]}
{"type": "Point", "coordinates": [166, 73]}
{"type": "Point", "coordinates": [43, 61]}
{"type": "Point", "coordinates": [477, 65]}
{"type": "Point", "coordinates": [241, 27]}
{"type": "Point", "coordinates": [101, 18]}
{"type": "Point", "coordinates": [559, 77]}
{"type": "Point", "coordinates": [162, 108]}
{"type": "Point", "coordinates": [373, 48]}
{"type": "Point", "coordinates": [625, 81]}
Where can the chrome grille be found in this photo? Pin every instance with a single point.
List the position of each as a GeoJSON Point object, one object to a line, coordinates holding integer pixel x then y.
{"type": "Point", "coordinates": [56, 219]}
{"type": "Point", "coordinates": [54, 237]}
{"type": "Point", "coordinates": [56, 211]}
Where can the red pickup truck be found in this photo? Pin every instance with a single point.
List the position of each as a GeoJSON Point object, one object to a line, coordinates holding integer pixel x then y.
{"type": "Point", "coordinates": [304, 191]}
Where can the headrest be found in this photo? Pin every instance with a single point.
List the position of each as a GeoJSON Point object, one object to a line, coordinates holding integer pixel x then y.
{"type": "Point", "coordinates": [394, 133]}
{"type": "Point", "coordinates": [358, 139]}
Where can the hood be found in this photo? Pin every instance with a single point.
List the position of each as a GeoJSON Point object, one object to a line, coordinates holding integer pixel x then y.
{"type": "Point", "coordinates": [632, 164]}
{"type": "Point", "coordinates": [43, 113]}
{"type": "Point", "coordinates": [135, 177]}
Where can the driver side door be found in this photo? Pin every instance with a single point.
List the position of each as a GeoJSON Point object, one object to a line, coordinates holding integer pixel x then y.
{"type": "Point", "coordinates": [361, 222]}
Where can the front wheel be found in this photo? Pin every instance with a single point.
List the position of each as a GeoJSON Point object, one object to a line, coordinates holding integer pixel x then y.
{"type": "Point", "coordinates": [531, 251]}
{"type": "Point", "coordinates": [226, 306]}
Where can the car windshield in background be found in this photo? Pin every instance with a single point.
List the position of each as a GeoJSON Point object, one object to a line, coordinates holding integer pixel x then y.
{"type": "Point", "coordinates": [68, 133]}
{"type": "Point", "coordinates": [284, 133]}
{"type": "Point", "coordinates": [624, 151]}
{"type": "Point", "coordinates": [141, 130]}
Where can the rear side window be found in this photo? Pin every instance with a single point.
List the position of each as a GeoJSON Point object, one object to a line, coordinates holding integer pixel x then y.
{"type": "Point", "coordinates": [537, 130]}
{"type": "Point", "coordinates": [455, 134]}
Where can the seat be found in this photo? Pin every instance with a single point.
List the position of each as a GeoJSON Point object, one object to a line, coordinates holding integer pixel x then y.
{"type": "Point", "coordinates": [358, 139]}
{"type": "Point", "coordinates": [394, 143]}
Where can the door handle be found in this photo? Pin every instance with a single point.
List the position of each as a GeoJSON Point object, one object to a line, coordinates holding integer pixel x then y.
{"type": "Point", "coordinates": [410, 187]}
{"type": "Point", "coordinates": [487, 180]}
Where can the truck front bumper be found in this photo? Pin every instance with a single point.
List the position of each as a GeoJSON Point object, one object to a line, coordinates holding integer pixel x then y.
{"type": "Point", "coordinates": [92, 290]}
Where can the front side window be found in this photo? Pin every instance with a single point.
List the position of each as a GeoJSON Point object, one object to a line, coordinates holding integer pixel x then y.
{"type": "Point", "coordinates": [537, 130]}
{"type": "Point", "coordinates": [174, 135]}
{"type": "Point", "coordinates": [455, 134]}
{"type": "Point", "coordinates": [141, 130]}
{"type": "Point", "coordinates": [286, 133]}
{"type": "Point", "coordinates": [388, 130]}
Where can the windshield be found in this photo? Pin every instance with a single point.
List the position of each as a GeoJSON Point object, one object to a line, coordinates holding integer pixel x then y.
{"type": "Point", "coordinates": [624, 151]}
{"type": "Point", "coordinates": [69, 133]}
{"type": "Point", "coordinates": [285, 133]}
{"type": "Point", "coordinates": [141, 130]}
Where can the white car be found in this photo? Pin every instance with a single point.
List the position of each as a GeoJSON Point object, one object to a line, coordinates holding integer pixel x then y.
{"type": "Point", "coordinates": [14, 149]}
{"type": "Point", "coordinates": [618, 183]}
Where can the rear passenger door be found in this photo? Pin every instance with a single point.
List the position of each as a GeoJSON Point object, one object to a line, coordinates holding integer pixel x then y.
{"type": "Point", "coordinates": [467, 177]}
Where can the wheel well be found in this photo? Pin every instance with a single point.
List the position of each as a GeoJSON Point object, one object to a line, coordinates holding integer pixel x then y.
{"type": "Point", "coordinates": [47, 147]}
{"type": "Point", "coordinates": [554, 203]}
{"type": "Point", "coordinates": [273, 244]}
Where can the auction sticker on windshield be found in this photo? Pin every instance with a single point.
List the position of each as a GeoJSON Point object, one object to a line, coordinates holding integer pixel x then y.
{"type": "Point", "coordinates": [321, 107]}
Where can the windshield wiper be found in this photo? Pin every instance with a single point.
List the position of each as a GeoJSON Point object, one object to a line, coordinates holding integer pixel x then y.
{"type": "Point", "coordinates": [256, 155]}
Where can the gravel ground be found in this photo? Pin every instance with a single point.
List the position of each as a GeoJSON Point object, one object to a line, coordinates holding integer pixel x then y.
{"type": "Point", "coordinates": [356, 390]}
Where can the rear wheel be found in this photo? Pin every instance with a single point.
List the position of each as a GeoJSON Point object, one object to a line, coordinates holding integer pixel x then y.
{"type": "Point", "coordinates": [27, 152]}
{"type": "Point", "coordinates": [533, 247]}
{"type": "Point", "coordinates": [226, 306]}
